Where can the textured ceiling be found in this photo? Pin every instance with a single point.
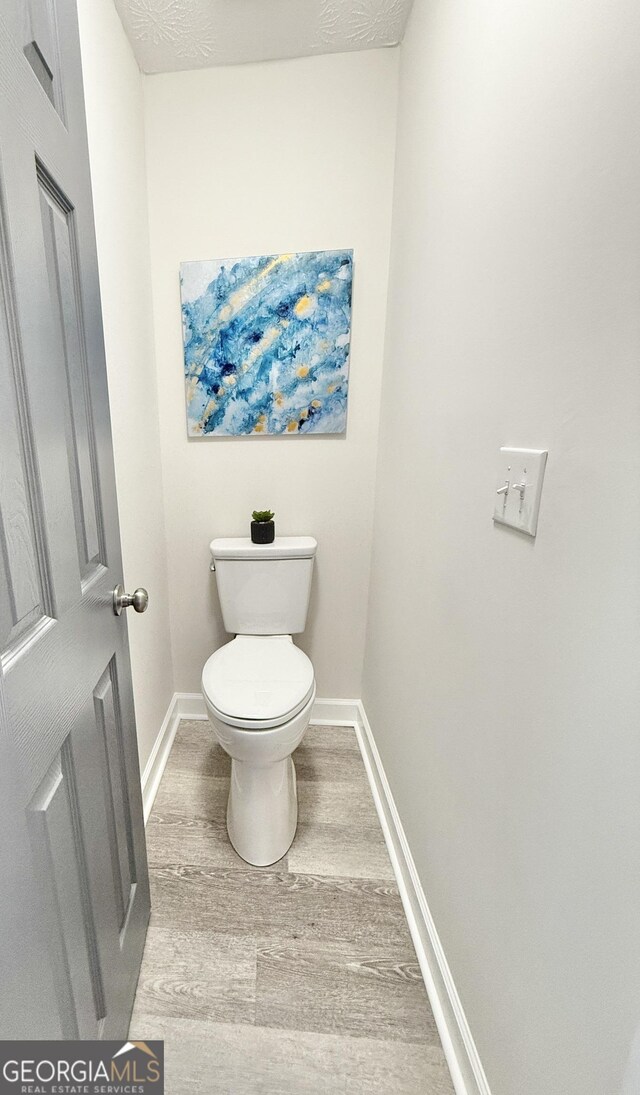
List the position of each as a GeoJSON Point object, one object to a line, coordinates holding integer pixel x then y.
{"type": "Point", "coordinates": [178, 34]}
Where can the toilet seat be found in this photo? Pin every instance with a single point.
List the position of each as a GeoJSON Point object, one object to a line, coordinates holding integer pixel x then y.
{"type": "Point", "coordinates": [257, 682]}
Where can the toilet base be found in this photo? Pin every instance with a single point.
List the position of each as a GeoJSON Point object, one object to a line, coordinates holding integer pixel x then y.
{"type": "Point", "coordinates": [262, 812]}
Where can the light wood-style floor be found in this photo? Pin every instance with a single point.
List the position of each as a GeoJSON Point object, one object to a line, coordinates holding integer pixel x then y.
{"type": "Point", "coordinates": [293, 979]}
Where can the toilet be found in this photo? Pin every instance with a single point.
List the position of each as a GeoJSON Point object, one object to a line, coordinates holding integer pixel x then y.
{"type": "Point", "coordinates": [259, 688]}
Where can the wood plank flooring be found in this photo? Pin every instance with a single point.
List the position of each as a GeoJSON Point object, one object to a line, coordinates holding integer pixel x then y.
{"type": "Point", "coordinates": [294, 979]}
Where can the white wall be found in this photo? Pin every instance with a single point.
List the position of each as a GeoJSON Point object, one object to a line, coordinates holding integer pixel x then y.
{"type": "Point", "coordinates": [115, 121]}
{"type": "Point", "coordinates": [260, 159]}
{"type": "Point", "coordinates": [502, 677]}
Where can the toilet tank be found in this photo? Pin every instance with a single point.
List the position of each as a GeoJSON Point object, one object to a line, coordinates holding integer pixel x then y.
{"type": "Point", "coordinates": [264, 588]}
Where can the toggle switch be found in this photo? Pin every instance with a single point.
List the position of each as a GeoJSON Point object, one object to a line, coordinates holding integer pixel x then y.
{"type": "Point", "coordinates": [519, 487]}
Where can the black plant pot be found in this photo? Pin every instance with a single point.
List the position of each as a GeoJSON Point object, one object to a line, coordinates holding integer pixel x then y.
{"type": "Point", "coordinates": [263, 532]}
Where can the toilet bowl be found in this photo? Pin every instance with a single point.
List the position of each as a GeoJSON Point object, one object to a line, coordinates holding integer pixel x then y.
{"type": "Point", "coordinates": [259, 692]}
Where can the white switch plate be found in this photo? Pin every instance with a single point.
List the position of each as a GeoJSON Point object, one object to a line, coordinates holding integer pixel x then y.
{"type": "Point", "coordinates": [521, 472]}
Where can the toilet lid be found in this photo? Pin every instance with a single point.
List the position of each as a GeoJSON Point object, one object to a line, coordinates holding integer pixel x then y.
{"type": "Point", "coordinates": [258, 678]}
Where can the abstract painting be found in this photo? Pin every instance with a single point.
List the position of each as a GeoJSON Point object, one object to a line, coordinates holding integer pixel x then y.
{"type": "Point", "coordinates": [266, 343]}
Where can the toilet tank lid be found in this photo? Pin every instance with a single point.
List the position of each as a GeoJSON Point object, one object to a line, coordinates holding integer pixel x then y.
{"type": "Point", "coordinates": [283, 547]}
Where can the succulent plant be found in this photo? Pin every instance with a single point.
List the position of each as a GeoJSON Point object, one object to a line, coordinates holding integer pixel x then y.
{"type": "Point", "coordinates": [262, 515]}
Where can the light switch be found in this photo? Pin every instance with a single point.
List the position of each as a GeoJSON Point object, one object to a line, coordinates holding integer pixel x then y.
{"type": "Point", "coordinates": [519, 487]}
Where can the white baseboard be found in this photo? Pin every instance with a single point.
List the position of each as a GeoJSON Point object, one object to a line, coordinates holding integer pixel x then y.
{"type": "Point", "coordinates": [459, 1047]}
{"type": "Point", "coordinates": [190, 705]}
{"type": "Point", "coordinates": [334, 712]}
{"type": "Point", "coordinates": [159, 755]}
{"type": "Point", "coordinates": [462, 1056]}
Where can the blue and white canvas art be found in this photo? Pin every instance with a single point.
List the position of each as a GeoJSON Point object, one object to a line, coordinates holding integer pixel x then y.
{"type": "Point", "coordinates": [266, 343]}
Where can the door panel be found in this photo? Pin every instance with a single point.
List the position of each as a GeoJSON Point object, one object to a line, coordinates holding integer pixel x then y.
{"type": "Point", "coordinates": [62, 866]}
{"type": "Point", "coordinates": [22, 560]}
{"type": "Point", "coordinates": [28, 289]}
{"type": "Point", "coordinates": [67, 730]}
{"type": "Point", "coordinates": [64, 291]}
{"type": "Point", "coordinates": [40, 45]}
{"type": "Point", "coordinates": [121, 843]}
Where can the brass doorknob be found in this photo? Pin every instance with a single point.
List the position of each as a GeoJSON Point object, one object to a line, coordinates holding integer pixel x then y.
{"type": "Point", "coordinates": [138, 600]}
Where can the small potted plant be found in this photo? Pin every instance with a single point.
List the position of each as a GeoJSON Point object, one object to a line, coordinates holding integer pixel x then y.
{"type": "Point", "coordinates": [263, 529]}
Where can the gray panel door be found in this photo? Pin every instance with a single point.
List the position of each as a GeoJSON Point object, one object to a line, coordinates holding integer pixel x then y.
{"type": "Point", "coordinates": [74, 894]}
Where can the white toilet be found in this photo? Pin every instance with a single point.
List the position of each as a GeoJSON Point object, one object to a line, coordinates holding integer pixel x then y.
{"type": "Point", "coordinates": [259, 688]}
